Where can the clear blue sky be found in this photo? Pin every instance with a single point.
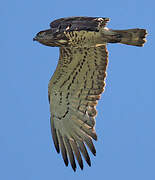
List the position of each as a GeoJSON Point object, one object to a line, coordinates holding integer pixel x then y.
{"type": "Point", "coordinates": [126, 112]}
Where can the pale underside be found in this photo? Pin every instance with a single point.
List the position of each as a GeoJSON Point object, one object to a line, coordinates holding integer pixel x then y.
{"type": "Point", "coordinates": [79, 79]}
{"type": "Point", "coordinates": [74, 90]}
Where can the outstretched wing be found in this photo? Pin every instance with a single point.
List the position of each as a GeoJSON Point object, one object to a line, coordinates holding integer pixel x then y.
{"type": "Point", "coordinates": [79, 23]}
{"type": "Point", "coordinates": [74, 91]}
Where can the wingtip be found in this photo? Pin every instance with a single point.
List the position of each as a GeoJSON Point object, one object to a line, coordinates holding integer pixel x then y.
{"type": "Point", "coordinates": [95, 137]}
{"type": "Point", "coordinates": [81, 166]}
{"type": "Point", "coordinates": [89, 163]}
{"type": "Point", "coordinates": [66, 162]}
{"type": "Point", "coordinates": [57, 149]}
{"type": "Point", "coordinates": [74, 168]}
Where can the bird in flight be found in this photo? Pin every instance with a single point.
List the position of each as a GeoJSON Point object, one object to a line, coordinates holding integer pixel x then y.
{"type": "Point", "coordinates": [79, 80]}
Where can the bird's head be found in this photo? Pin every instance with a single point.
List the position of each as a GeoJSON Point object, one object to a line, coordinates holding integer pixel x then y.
{"type": "Point", "coordinates": [51, 37]}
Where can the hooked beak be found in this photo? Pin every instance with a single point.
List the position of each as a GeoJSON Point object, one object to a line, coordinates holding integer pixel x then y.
{"type": "Point", "coordinates": [34, 39]}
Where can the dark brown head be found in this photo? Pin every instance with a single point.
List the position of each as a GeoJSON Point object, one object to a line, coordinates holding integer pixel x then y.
{"type": "Point", "coordinates": [51, 37]}
{"type": "Point", "coordinates": [56, 35]}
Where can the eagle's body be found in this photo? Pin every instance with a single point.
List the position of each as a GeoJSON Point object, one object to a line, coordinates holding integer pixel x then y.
{"type": "Point", "coordinates": [79, 79]}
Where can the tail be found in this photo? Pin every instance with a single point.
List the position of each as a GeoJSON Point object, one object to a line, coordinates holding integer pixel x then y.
{"type": "Point", "coordinates": [135, 37]}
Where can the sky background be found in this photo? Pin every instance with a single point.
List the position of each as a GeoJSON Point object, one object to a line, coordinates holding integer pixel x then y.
{"type": "Point", "coordinates": [126, 112]}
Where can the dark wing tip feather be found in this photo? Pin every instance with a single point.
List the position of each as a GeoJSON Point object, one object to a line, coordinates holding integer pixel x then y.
{"type": "Point", "coordinates": [63, 149]}
{"type": "Point", "coordinates": [54, 135]}
{"type": "Point", "coordinates": [93, 135]}
{"type": "Point", "coordinates": [84, 152]}
{"type": "Point", "coordinates": [70, 153]}
{"type": "Point", "coordinates": [90, 145]}
{"type": "Point", "coordinates": [76, 152]}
